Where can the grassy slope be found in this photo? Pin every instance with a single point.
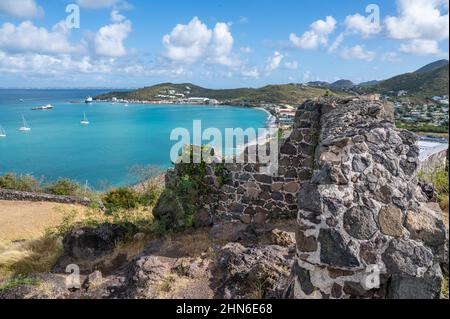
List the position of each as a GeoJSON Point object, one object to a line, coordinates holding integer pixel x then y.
{"type": "Point", "coordinates": [419, 85]}
{"type": "Point", "coordinates": [289, 93]}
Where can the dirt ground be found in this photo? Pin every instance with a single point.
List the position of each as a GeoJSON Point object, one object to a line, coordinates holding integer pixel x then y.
{"type": "Point", "coordinates": [28, 220]}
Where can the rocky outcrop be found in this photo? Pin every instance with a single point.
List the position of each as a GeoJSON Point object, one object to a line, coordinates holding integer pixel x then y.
{"type": "Point", "coordinates": [251, 272]}
{"type": "Point", "coordinates": [91, 243]}
{"type": "Point", "coordinates": [362, 232]}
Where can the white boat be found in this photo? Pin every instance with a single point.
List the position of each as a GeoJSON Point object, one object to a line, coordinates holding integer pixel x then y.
{"type": "Point", "coordinates": [126, 104]}
{"type": "Point", "coordinates": [85, 120]}
{"type": "Point", "coordinates": [89, 100]}
{"type": "Point", "coordinates": [2, 132]}
{"type": "Point", "coordinates": [24, 127]}
{"type": "Point", "coordinates": [44, 108]}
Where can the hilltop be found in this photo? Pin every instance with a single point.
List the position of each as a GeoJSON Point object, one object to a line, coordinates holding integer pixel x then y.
{"type": "Point", "coordinates": [287, 93]}
{"type": "Point", "coordinates": [430, 80]}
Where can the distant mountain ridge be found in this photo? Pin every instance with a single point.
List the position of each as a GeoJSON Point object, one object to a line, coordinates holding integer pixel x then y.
{"type": "Point", "coordinates": [430, 80]}
{"type": "Point", "coordinates": [433, 66]}
{"type": "Point", "coordinates": [286, 93]}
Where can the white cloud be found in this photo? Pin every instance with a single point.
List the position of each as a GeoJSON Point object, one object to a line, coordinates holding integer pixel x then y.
{"type": "Point", "coordinates": [421, 47]}
{"type": "Point", "coordinates": [97, 4]}
{"type": "Point", "coordinates": [109, 40]}
{"type": "Point", "coordinates": [194, 41]}
{"type": "Point", "coordinates": [317, 34]}
{"type": "Point", "coordinates": [358, 52]}
{"type": "Point", "coordinates": [246, 50]}
{"type": "Point", "coordinates": [291, 65]}
{"type": "Point", "coordinates": [273, 62]}
{"type": "Point", "coordinates": [21, 8]}
{"type": "Point", "coordinates": [187, 43]}
{"type": "Point", "coordinates": [336, 44]}
{"type": "Point", "coordinates": [222, 45]}
{"type": "Point", "coordinates": [391, 57]}
{"type": "Point", "coordinates": [26, 37]}
{"type": "Point", "coordinates": [362, 25]}
{"type": "Point", "coordinates": [116, 16]}
{"type": "Point", "coordinates": [419, 19]}
{"type": "Point", "coordinates": [251, 72]}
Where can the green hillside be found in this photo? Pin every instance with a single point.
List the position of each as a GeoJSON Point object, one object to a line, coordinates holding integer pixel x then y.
{"type": "Point", "coordinates": [420, 85]}
{"type": "Point", "coordinates": [288, 93]}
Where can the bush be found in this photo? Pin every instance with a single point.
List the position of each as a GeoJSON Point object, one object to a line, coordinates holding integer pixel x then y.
{"type": "Point", "coordinates": [121, 198]}
{"type": "Point", "coordinates": [149, 197]}
{"type": "Point", "coordinates": [65, 187]}
{"type": "Point", "coordinates": [25, 183]}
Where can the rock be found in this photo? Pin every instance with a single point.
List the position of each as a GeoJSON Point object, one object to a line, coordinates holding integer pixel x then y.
{"type": "Point", "coordinates": [170, 210]}
{"type": "Point", "coordinates": [143, 275]}
{"type": "Point", "coordinates": [410, 287]}
{"type": "Point", "coordinates": [202, 218]}
{"type": "Point", "coordinates": [260, 218]}
{"type": "Point", "coordinates": [291, 187]}
{"type": "Point", "coordinates": [390, 219]}
{"type": "Point", "coordinates": [359, 223]}
{"type": "Point", "coordinates": [360, 163]}
{"type": "Point", "coordinates": [403, 257]}
{"type": "Point", "coordinates": [94, 279]}
{"type": "Point", "coordinates": [252, 193]}
{"type": "Point", "coordinates": [91, 243]}
{"type": "Point", "coordinates": [304, 243]}
{"type": "Point", "coordinates": [246, 218]}
{"type": "Point", "coordinates": [242, 273]}
{"type": "Point", "coordinates": [276, 187]}
{"type": "Point", "coordinates": [282, 238]}
{"type": "Point", "coordinates": [428, 190]}
{"type": "Point", "coordinates": [334, 252]}
{"type": "Point", "coordinates": [427, 226]}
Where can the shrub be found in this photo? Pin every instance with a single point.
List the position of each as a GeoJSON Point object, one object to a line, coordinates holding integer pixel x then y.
{"type": "Point", "coordinates": [121, 198]}
{"type": "Point", "coordinates": [149, 197]}
{"type": "Point", "coordinates": [65, 187]}
{"type": "Point", "coordinates": [25, 183]}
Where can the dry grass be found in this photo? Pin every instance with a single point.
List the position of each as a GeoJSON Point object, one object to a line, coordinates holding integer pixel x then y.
{"type": "Point", "coordinates": [29, 220]}
{"type": "Point", "coordinates": [25, 247]}
{"type": "Point", "coordinates": [27, 257]}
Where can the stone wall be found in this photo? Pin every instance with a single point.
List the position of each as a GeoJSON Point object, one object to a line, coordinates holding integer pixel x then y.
{"type": "Point", "coordinates": [362, 232]}
{"type": "Point", "coordinates": [254, 197]}
{"type": "Point", "coordinates": [7, 194]}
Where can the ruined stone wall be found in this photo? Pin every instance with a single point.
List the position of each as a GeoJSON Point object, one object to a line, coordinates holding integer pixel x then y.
{"type": "Point", "coordinates": [361, 231]}
{"type": "Point", "coordinates": [255, 197]}
{"type": "Point", "coordinates": [7, 194]}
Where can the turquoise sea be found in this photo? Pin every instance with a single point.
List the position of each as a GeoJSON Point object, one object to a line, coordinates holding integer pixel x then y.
{"type": "Point", "coordinates": [101, 153]}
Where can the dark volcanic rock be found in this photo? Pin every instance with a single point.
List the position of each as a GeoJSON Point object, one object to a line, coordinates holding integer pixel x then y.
{"type": "Point", "coordinates": [359, 223]}
{"type": "Point", "coordinates": [89, 244]}
{"type": "Point", "coordinates": [334, 252]}
{"type": "Point", "coordinates": [242, 272]}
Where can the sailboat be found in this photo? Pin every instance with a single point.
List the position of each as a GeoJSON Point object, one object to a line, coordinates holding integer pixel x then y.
{"type": "Point", "coordinates": [2, 132]}
{"type": "Point", "coordinates": [24, 127]}
{"type": "Point", "coordinates": [85, 120]}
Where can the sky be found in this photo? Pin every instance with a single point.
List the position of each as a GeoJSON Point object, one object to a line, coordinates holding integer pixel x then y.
{"type": "Point", "coordinates": [215, 43]}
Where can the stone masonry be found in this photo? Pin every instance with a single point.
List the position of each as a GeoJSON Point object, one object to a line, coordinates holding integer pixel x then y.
{"type": "Point", "coordinates": [362, 232]}
{"type": "Point", "coordinates": [253, 197]}
{"type": "Point", "coordinates": [349, 176]}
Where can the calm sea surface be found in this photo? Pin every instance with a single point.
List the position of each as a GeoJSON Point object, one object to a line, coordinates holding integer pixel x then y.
{"type": "Point", "coordinates": [101, 153]}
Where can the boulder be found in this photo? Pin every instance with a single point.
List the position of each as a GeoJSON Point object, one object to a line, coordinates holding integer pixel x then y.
{"type": "Point", "coordinates": [91, 243]}
{"type": "Point", "coordinates": [169, 210]}
{"type": "Point", "coordinates": [241, 272]}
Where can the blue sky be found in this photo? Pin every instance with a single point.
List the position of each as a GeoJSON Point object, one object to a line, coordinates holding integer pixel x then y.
{"type": "Point", "coordinates": [216, 43]}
